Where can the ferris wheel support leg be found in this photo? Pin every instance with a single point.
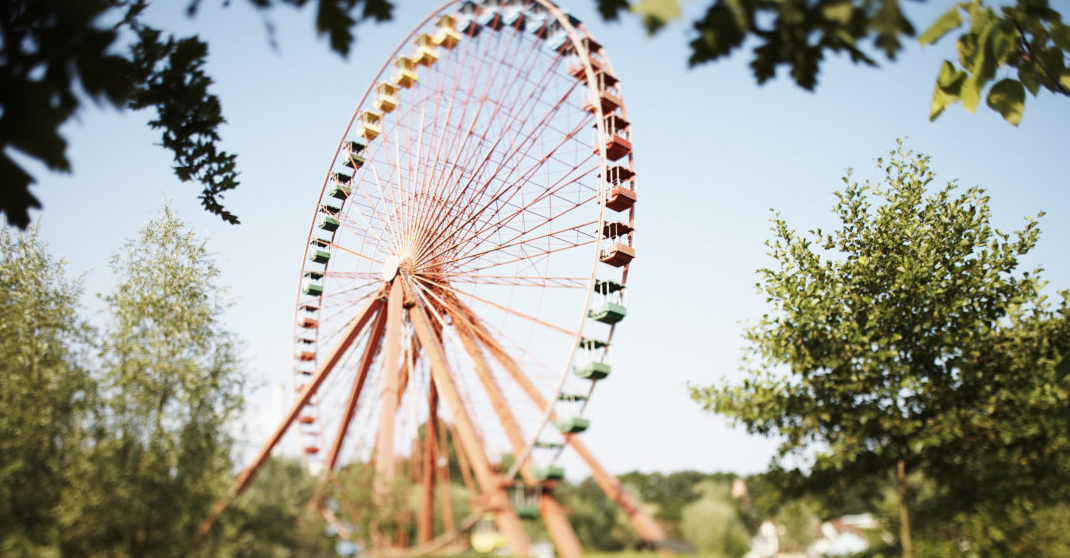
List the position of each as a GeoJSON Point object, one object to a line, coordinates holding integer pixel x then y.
{"type": "Point", "coordinates": [507, 520]}
{"type": "Point", "coordinates": [388, 398]}
{"type": "Point", "coordinates": [553, 514]}
{"type": "Point", "coordinates": [425, 529]}
{"type": "Point", "coordinates": [366, 359]}
{"type": "Point", "coordinates": [494, 393]}
{"type": "Point", "coordinates": [247, 475]}
{"type": "Point", "coordinates": [645, 525]}
{"type": "Point", "coordinates": [555, 518]}
{"type": "Point", "coordinates": [443, 476]}
{"type": "Point", "coordinates": [466, 470]}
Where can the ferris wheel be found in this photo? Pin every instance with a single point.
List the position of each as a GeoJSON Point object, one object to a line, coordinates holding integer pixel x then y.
{"type": "Point", "coordinates": [465, 274]}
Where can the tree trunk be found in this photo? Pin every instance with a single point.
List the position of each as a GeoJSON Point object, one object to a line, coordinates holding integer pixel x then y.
{"type": "Point", "coordinates": [904, 511]}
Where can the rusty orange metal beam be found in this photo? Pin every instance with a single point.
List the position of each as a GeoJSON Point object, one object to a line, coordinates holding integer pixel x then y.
{"type": "Point", "coordinates": [425, 527]}
{"type": "Point", "coordinates": [465, 468]}
{"type": "Point", "coordinates": [366, 359]}
{"type": "Point", "coordinates": [490, 484]}
{"type": "Point", "coordinates": [645, 525]}
{"type": "Point", "coordinates": [555, 517]}
{"type": "Point", "coordinates": [494, 393]}
{"type": "Point", "coordinates": [247, 475]}
{"type": "Point", "coordinates": [388, 397]}
{"type": "Point", "coordinates": [443, 474]}
{"type": "Point", "coordinates": [553, 514]}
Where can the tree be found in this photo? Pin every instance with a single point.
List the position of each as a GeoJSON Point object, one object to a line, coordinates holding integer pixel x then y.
{"type": "Point", "coordinates": [267, 519]}
{"type": "Point", "coordinates": [51, 49]}
{"type": "Point", "coordinates": [171, 385]}
{"type": "Point", "coordinates": [670, 493]}
{"type": "Point", "coordinates": [1026, 41]}
{"type": "Point", "coordinates": [45, 392]}
{"type": "Point", "coordinates": [907, 338]}
{"type": "Point", "coordinates": [712, 521]}
{"type": "Point", "coordinates": [599, 523]}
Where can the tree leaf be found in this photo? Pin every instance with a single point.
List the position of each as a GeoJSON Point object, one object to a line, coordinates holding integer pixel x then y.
{"type": "Point", "coordinates": [1051, 64]}
{"type": "Point", "coordinates": [610, 9]}
{"type": "Point", "coordinates": [942, 26]}
{"type": "Point", "coordinates": [947, 89]}
{"type": "Point", "coordinates": [656, 13]}
{"type": "Point", "coordinates": [1060, 35]}
{"type": "Point", "coordinates": [996, 41]}
{"type": "Point", "coordinates": [970, 95]}
{"type": "Point", "coordinates": [1029, 79]}
{"type": "Point", "coordinates": [1008, 98]}
{"type": "Point", "coordinates": [839, 12]}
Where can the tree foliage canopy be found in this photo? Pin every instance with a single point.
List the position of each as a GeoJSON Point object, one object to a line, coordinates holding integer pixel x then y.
{"type": "Point", "coordinates": [45, 391]}
{"type": "Point", "coordinates": [1025, 44]}
{"type": "Point", "coordinates": [51, 51]}
{"type": "Point", "coordinates": [56, 54]}
{"type": "Point", "coordinates": [124, 452]}
{"type": "Point", "coordinates": [909, 335]}
{"type": "Point", "coordinates": [172, 386]}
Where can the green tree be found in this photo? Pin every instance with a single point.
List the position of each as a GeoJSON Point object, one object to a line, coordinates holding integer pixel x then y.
{"type": "Point", "coordinates": [671, 492]}
{"type": "Point", "coordinates": [53, 51]}
{"type": "Point", "coordinates": [267, 520]}
{"type": "Point", "coordinates": [45, 392]}
{"type": "Point", "coordinates": [712, 522]}
{"type": "Point", "coordinates": [598, 521]}
{"type": "Point", "coordinates": [902, 340]}
{"type": "Point", "coordinates": [171, 387]}
{"type": "Point", "coordinates": [800, 523]}
{"type": "Point", "coordinates": [1026, 42]}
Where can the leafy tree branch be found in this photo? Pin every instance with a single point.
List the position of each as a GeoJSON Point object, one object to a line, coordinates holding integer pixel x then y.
{"type": "Point", "coordinates": [1026, 42]}
{"type": "Point", "coordinates": [49, 49]}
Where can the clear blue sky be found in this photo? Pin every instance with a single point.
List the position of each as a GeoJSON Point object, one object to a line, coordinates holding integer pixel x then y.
{"type": "Point", "coordinates": [714, 153]}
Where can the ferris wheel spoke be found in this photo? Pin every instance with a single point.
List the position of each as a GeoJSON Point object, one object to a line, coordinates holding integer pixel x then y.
{"type": "Point", "coordinates": [385, 222]}
{"type": "Point", "coordinates": [513, 188]}
{"type": "Point", "coordinates": [530, 258]}
{"type": "Point", "coordinates": [516, 280]}
{"type": "Point", "coordinates": [490, 341]}
{"type": "Point", "coordinates": [541, 123]}
{"type": "Point", "coordinates": [498, 108]}
{"type": "Point", "coordinates": [361, 230]}
{"type": "Point", "coordinates": [482, 102]}
{"type": "Point", "coordinates": [371, 348]}
{"type": "Point", "coordinates": [368, 276]}
{"type": "Point", "coordinates": [505, 309]}
{"type": "Point", "coordinates": [413, 179]}
{"type": "Point", "coordinates": [558, 235]}
{"type": "Point", "coordinates": [469, 92]}
{"type": "Point", "coordinates": [353, 253]}
{"type": "Point", "coordinates": [521, 153]}
{"type": "Point", "coordinates": [336, 308]}
{"type": "Point", "coordinates": [389, 202]}
{"type": "Point", "coordinates": [348, 294]}
{"type": "Point", "coordinates": [553, 190]}
{"type": "Point", "coordinates": [513, 241]}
